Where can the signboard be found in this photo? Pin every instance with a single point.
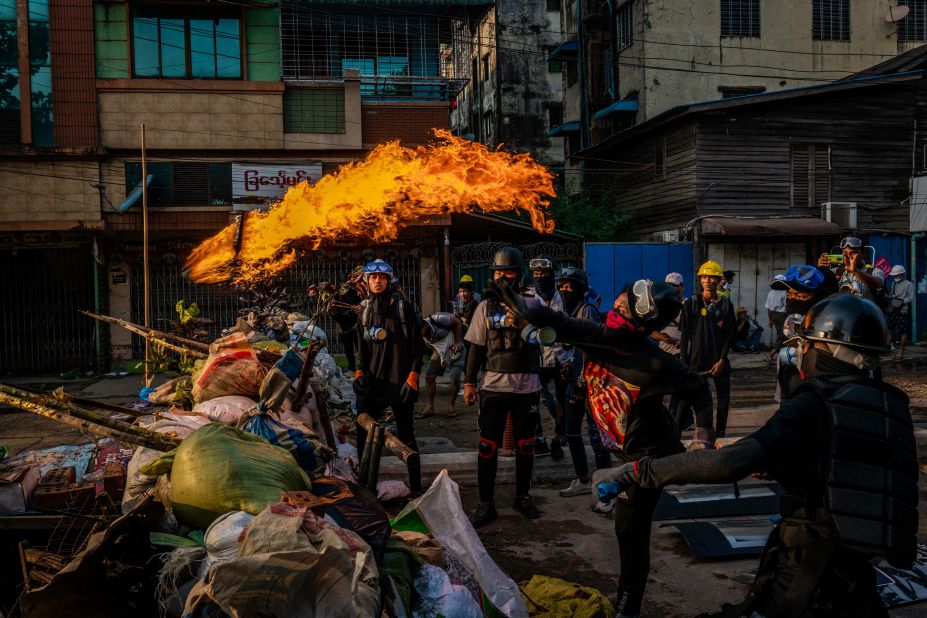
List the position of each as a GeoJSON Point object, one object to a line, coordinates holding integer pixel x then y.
{"type": "Point", "coordinates": [117, 275]}
{"type": "Point", "coordinates": [254, 185]}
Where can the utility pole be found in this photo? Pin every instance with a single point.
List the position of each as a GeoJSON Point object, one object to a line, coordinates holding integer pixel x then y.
{"type": "Point", "coordinates": [145, 274]}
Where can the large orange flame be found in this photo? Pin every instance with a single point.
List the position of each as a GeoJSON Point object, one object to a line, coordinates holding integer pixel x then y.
{"type": "Point", "coordinates": [390, 189]}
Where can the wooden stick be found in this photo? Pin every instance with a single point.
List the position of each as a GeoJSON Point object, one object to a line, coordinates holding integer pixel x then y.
{"type": "Point", "coordinates": [324, 418]}
{"type": "Point", "coordinates": [87, 404]}
{"type": "Point", "coordinates": [390, 441]}
{"type": "Point", "coordinates": [145, 331]}
{"type": "Point", "coordinates": [158, 442]}
{"type": "Point", "coordinates": [373, 472]}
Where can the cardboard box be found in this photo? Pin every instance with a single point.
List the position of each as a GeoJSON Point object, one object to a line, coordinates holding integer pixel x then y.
{"type": "Point", "coordinates": [17, 487]}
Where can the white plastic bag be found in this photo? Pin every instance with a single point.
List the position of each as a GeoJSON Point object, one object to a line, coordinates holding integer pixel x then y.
{"type": "Point", "coordinates": [439, 597]}
{"type": "Point", "coordinates": [391, 490]}
{"type": "Point", "coordinates": [228, 409]}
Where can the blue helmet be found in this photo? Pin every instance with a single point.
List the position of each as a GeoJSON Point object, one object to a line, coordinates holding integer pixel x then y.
{"type": "Point", "coordinates": [378, 266]}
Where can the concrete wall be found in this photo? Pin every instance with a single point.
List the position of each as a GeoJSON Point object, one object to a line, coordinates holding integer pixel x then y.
{"type": "Point", "coordinates": [687, 59]}
{"type": "Point", "coordinates": [120, 306]}
{"type": "Point", "coordinates": [411, 123]}
{"type": "Point", "coordinates": [49, 195]}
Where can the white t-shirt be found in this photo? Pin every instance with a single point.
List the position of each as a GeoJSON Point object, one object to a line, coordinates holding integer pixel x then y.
{"type": "Point", "coordinates": [775, 300]}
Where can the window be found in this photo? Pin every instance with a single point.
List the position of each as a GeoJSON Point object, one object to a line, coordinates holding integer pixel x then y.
{"type": "Point", "coordinates": [729, 92]}
{"type": "Point", "coordinates": [179, 42]}
{"type": "Point", "coordinates": [553, 66]}
{"type": "Point", "coordinates": [811, 172]}
{"type": "Point", "coordinates": [572, 73]}
{"type": "Point", "coordinates": [184, 184]}
{"type": "Point", "coordinates": [740, 18]}
{"type": "Point", "coordinates": [553, 6]}
{"type": "Point", "coordinates": [554, 114]}
{"type": "Point", "coordinates": [485, 67]}
{"type": "Point", "coordinates": [914, 26]}
{"type": "Point", "coordinates": [659, 160]}
{"type": "Point", "coordinates": [830, 20]}
{"type": "Point", "coordinates": [9, 76]}
{"type": "Point", "coordinates": [41, 74]}
{"type": "Point", "coordinates": [625, 25]}
{"type": "Point", "coordinates": [488, 127]}
{"type": "Point", "coordinates": [313, 110]}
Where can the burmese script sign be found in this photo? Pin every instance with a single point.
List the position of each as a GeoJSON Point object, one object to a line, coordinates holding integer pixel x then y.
{"type": "Point", "coordinates": [256, 185]}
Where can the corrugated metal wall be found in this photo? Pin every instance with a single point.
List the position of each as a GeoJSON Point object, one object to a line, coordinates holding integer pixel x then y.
{"type": "Point", "coordinates": [613, 266]}
{"type": "Point", "coordinates": [73, 86]}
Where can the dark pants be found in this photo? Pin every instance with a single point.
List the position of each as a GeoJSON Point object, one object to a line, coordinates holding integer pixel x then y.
{"type": "Point", "coordinates": [683, 412]}
{"type": "Point", "coordinates": [348, 341]}
{"type": "Point", "coordinates": [778, 320]}
{"type": "Point", "coordinates": [556, 401]}
{"type": "Point", "coordinates": [573, 426]}
{"type": "Point", "coordinates": [374, 404]}
{"type": "Point", "coordinates": [494, 409]}
{"type": "Point", "coordinates": [633, 518]}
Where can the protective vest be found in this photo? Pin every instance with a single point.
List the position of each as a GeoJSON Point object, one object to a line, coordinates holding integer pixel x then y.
{"type": "Point", "coordinates": [869, 475]}
{"type": "Point", "coordinates": [506, 351]}
{"type": "Point", "coordinates": [369, 319]}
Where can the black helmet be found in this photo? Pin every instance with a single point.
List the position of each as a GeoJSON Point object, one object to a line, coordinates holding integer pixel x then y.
{"type": "Point", "coordinates": [849, 320]}
{"type": "Point", "coordinates": [576, 276]}
{"type": "Point", "coordinates": [507, 258]}
{"type": "Point", "coordinates": [653, 304]}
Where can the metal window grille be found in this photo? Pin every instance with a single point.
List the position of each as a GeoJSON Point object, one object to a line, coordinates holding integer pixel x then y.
{"type": "Point", "coordinates": [740, 18]}
{"type": "Point", "coordinates": [914, 26]}
{"type": "Point", "coordinates": [553, 5]}
{"type": "Point", "coordinates": [830, 20]}
{"type": "Point", "coordinates": [625, 26]}
{"type": "Point", "coordinates": [313, 110]}
{"type": "Point", "coordinates": [184, 184]}
{"type": "Point", "coordinates": [399, 56]}
{"type": "Point", "coordinates": [811, 174]}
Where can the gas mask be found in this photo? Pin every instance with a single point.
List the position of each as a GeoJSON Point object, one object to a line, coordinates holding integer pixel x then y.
{"type": "Point", "coordinates": [375, 333]}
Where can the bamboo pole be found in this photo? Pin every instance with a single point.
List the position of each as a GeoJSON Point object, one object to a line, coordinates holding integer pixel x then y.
{"type": "Point", "coordinates": [146, 273]}
{"type": "Point", "coordinates": [87, 404]}
{"type": "Point", "coordinates": [159, 337]}
{"type": "Point", "coordinates": [154, 441]}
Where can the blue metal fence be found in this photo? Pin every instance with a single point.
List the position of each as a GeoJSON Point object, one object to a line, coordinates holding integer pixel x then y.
{"type": "Point", "coordinates": [612, 266]}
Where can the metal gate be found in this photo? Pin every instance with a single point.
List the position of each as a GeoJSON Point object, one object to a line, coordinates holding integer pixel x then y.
{"type": "Point", "coordinates": [474, 259]}
{"type": "Point", "coordinates": [221, 304]}
{"type": "Point", "coordinates": [41, 330]}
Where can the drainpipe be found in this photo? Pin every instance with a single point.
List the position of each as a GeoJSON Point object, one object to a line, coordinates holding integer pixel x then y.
{"type": "Point", "coordinates": [581, 68]}
{"type": "Point", "coordinates": [448, 268]}
{"type": "Point", "coordinates": [914, 238]}
{"type": "Point", "coordinates": [613, 37]}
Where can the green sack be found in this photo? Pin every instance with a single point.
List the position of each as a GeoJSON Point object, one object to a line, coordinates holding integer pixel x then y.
{"type": "Point", "coordinates": [549, 597]}
{"type": "Point", "coordinates": [218, 469]}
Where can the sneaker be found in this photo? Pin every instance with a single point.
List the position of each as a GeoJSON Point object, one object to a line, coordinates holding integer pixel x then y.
{"type": "Point", "coordinates": [576, 488]}
{"type": "Point", "coordinates": [525, 506]}
{"type": "Point", "coordinates": [540, 447]}
{"type": "Point", "coordinates": [484, 513]}
{"type": "Point", "coordinates": [556, 451]}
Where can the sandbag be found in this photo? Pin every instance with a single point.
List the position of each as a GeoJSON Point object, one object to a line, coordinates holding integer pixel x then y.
{"type": "Point", "coordinates": [295, 441]}
{"type": "Point", "coordinates": [231, 369]}
{"type": "Point", "coordinates": [354, 508]}
{"type": "Point", "coordinates": [551, 597]}
{"type": "Point", "coordinates": [218, 469]}
{"type": "Point", "coordinates": [229, 409]}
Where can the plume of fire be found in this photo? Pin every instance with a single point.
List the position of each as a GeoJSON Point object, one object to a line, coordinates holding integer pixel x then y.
{"type": "Point", "coordinates": [375, 198]}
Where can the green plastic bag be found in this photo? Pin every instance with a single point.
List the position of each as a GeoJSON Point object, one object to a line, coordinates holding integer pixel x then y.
{"type": "Point", "coordinates": [218, 469]}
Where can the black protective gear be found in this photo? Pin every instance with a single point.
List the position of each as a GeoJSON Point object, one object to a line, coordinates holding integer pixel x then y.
{"type": "Point", "coordinates": [849, 320]}
{"type": "Point", "coordinates": [487, 448]}
{"type": "Point", "coordinates": [408, 394]}
{"type": "Point", "coordinates": [801, 307]}
{"type": "Point", "coordinates": [662, 302]}
{"type": "Point", "coordinates": [545, 287]}
{"type": "Point", "coordinates": [509, 258]}
{"type": "Point", "coordinates": [506, 349]}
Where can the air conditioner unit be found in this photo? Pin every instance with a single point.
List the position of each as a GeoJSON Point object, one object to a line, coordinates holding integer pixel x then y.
{"type": "Point", "coordinates": [666, 236]}
{"type": "Point", "coordinates": [841, 213]}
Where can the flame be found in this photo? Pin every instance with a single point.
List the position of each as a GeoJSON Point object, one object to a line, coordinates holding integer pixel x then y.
{"type": "Point", "coordinates": [375, 198]}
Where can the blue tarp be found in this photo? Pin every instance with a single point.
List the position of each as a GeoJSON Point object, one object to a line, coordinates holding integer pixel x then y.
{"type": "Point", "coordinates": [564, 129]}
{"type": "Point", "coordinates": [618, 107]}
{"type": "Point", "coordinates": [567, 49]}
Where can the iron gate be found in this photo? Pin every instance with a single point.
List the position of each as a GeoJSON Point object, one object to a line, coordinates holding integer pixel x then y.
{"type": "Point", "coordinates": [221, 304]}
{"type": "Point", "coordinates": [41, 330]}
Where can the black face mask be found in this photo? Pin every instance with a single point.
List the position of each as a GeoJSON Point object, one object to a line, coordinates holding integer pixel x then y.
{"type": "Point", "coordinates": [570, 300]}
{"type": "Point", "coordinates": [545, 286]}
{"type": "Point", "coordinates": [793, 306]}
{"type": "Point", "coordinates": [816, 363]}
{"type": "Point", "coordinates": [494, 286]}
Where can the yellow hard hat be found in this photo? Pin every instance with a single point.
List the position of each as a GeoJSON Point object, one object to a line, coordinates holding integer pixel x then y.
{"type": "Point", "coordinates": [466, 279]}
{"type": "Point", "coordinates": [710, 268]}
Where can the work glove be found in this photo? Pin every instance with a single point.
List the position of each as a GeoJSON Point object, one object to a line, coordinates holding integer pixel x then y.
{"type": "Point", "coordinates": [514, 301]}
{"type": "Point", "coordinates": [611, 482]}
{"type": "Point", "coordinates": [360, 382]}
{"type": "Point", "coordinates": [409, 391]}
{"type": "Point", "coordinates": [702, 438]}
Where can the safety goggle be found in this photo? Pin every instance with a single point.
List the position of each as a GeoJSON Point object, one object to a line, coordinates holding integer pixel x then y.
{"type": "Point", "coordinates": [852, 242]}
{"type": "Point", "coordinates": [540, 264]}
{"type": "Point", "coordinates": [644, 307]}
{"type": "Point", "coordinates": [374, 267]}
{"type": "Point", "coordinates": [807, 276]}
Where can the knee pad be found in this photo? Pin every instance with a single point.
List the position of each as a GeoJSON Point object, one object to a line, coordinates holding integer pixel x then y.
{"type": "Point", "coordinates": [487, 448]}
{"type": "Point", "coordinates": [526, 447]}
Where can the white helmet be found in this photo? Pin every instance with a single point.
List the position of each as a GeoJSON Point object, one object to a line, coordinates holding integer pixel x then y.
{"type": "Point", "coordinates": [898, 269]}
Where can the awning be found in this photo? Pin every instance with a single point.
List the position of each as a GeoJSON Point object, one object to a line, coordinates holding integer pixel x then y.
{"type": "Point", "coordinates": [618, 107]}
{"type": "Point", "coordinates": [564, 129]}
{"type": "Point", "coordinates": [135, 195]}
{"type": "Point", "coordinates": [786, 226]}
{"type": "Point", "coordinates": [567, 49]}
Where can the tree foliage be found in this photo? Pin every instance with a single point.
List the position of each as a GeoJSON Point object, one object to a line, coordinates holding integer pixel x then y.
{"type": "Point", "coordinates": [595, 217]}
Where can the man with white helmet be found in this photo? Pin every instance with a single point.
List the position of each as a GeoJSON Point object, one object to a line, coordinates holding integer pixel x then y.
{"type": "Point", "coordinates": [899, 306]}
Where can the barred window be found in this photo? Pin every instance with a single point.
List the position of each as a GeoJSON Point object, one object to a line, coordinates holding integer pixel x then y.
{"type": "Point", "coordinates": [313, 110]}
{"type": "Point", "coordinates": [914, 26]}
{"type": "Point", "coordinates": [740, 18]}
{"type": "Point", "coordinates": [830, 20]}
{"type": "Point", "coordinates": [184, 184]}
{"type": "Point", "coordinates": [810, 174]}
{"type": "Point", "coordinates": [625, 26]}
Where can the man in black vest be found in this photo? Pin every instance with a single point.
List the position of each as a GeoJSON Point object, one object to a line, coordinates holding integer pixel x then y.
{"type": "Point", "coordinates": [511, 359]}
{"type": "Point", "coordinates": [843, 450]}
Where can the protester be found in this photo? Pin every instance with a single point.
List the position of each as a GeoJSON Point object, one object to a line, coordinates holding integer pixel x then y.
{"type": "Point", "coordinates": [775, 316]}
{"type": "Point", "coordinates": [844, 443]}
{"type": "Point", "coordinates": [346, 323]}
{"type": "Point", "coordinates": [573, 283]}
{"type": "Point", "coordinates": [443, 334]}
{"type": "Point", "coordinates": [726, 288]}
{"type": "Point", "coordinates": [854, 275]}
{"type": "Point", "coordinates": [747, 332]}
{"type": "Point", "coordinates": [899, 305]}
{"type": "Point", "coordinates": [511, 384]}
{"type": "Point", "coordinates": [627, 377]}
{"type": "Point", "coordinates": [707, 324]}
{"type": "Point", "coordinates": [668, 338]}
{"type": "Point", "coordinates": [552, 359]}
{"type": "Point", "coordinates": [466, 300]}
{"type": "Point", "coordinates": [390, 348]}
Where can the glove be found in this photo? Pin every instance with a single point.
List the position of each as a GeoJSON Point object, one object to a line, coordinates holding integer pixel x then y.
{"type": "Point", "coordinates": [515, 302]}
{"type": "Point", "coordinates": [409, 391]}
{"type": "Point", "coordinates": [702, 438]}
{"type": "Point", "coordinates": [616, 480]}
{"type": "Point", "coordinates": [360, 382]}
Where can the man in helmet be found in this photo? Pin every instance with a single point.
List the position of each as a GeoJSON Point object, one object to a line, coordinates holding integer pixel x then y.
{"type": "Point", "coordinates": [627, 376]}
{"type": "Point", "coordinates": [844, 452]}
{"type": "Point", "coordinates": [510, 356]}
{"type": "Point", "coordinates": [899, 305]}
{"type": "Point", "coordinates": [707, 325]}
{"type": "Point", "coordinates": [573, 284]}
{"type": "Point", "coordinates": [466, 301]}
{"type": "Point", "coordinates": [390, 350]}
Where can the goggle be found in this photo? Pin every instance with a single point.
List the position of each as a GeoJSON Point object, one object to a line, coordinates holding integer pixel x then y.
{"type": "Point", "coordinates": [852, 242]}
{"type": "Point", "coordinates": [378, 267]}
{"type": "Point", "coordinates": [807, 276]}
{"type": "Point", "coordinates": [644, 307]}
{"type": "Point", "coordinates": [540, 264]}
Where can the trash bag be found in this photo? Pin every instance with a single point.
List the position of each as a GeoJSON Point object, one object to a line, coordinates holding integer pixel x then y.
{"type": "Point", "coordinates": [550, 597]}
{"type": "Point", "coordinates": [355, 508]}
{"type": "Point", "coordinates": [229, 409]}
{"type": "Point", "coordinates": [231, 369]}
{"type": "Point", "coordinates": [400, 564]}
{"type": "Point", "coordinates": [427, 548]}
{"type": "Point", "coordinates": [285, 436]}
{"type": "Point", "coordinates": [439, 513]}
{"type": "Point", "coordinates": [221, 539]}
{"type": "Point", "coordinates": [218, 469]}
{"type": "Point", "coordinates": [437, 596]}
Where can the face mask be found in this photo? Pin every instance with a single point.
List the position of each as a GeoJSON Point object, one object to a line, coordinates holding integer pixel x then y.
{"type": "Point", "coordinates": [816, 362]}
{"type": "Point", "coordinates": [545, 286]}
{"type": "Point", "coordinates": [898, 278]}
{"type": "Point", "coordinates": [570, 300]}
{"type": "Point", "coordinates": [793, 305]}
{"type": "Point", "coordinates": [616, 320]}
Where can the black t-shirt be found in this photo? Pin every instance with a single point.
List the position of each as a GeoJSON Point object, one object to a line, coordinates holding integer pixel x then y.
{"type": "Point", "coordinates": [707, 331]}
{"type": "Point", "coordinates": [793, 440]}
